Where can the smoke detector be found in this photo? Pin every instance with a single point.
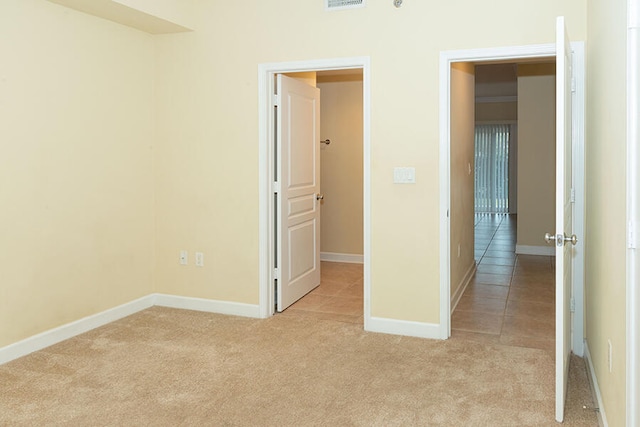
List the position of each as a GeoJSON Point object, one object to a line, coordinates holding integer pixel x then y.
{"type": "Point", "coordinates": [343, 4]}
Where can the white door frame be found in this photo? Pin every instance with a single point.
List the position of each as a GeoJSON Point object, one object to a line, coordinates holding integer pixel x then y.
{"type": "Point", "coordinates": [633, 214]}
{"type": "Point", "coordinates": [515, 54]}
{"type": "Point", "coordinates": [266, 172]}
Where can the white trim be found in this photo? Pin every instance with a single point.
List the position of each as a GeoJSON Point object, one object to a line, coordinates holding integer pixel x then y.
{"type": "Point", "coordinates": [579, 206]}
{"type": "Point", "coordinates": [594, 385]}
{"type": "Point", "coordinates": [446, 59]}
{"type": "Point", "coordinates": [633, 215]}
{"type": "Point", "coordinates": [633, 14]}
{"type": "Point", "coordinates": [86, 324]}
{"type": "Point", "coordinates": [464, 283]}
{"type": "Point", "coordinates": [266, 73]}
{"type": "Point", "coordinates": [72, 329]}
{"type": "Point", "coordinates": [337, 257]}
{"type": "Point", "coordinates": [536, 250]}
{"type": "Point", "coordinates": [514, 53]}
{"type": "Point", "coordinates": [405, 327]}
{"type": "Point", "coordinates": [207, 305]}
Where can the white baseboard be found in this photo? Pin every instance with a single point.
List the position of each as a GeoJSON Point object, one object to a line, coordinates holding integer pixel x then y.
{"type": "Point", "coordinates": [210, 306]}
{"type": "Point", "coordinates": [70, 330]}
{"type": "Point", "coordinates": [536, 250]}
{"type": "Point", "coordinates": [594, 384]}
{"type": "Point", "coordinates": [336, 257]}
{"type": "Point", "coordinates": [455, 298]}
{"type": "Point", "coordinates": [404, 327]}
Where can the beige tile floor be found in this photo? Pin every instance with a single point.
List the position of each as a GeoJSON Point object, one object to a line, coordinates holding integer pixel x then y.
{"type": "Point", "coordinates": [339, 297]}
{"type": "Point", "coordinates": [511, 299]}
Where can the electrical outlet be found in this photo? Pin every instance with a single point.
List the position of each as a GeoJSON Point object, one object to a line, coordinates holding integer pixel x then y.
{"type": "Point", "coordinates": [199, 259]}
{"type": "Point", "coordinates": [184, 258]}
{"type": "Point", "coordinates": [610, 356]}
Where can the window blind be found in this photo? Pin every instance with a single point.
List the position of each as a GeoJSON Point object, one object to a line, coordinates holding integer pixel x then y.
{"type": "Point", "coordinates": [492, 168]}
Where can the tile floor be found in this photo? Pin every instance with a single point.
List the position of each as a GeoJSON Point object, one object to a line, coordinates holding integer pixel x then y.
{"type": "Point", "coordinates": [339, 297]}
{"type": "Point", "coordinates": [511, 299]}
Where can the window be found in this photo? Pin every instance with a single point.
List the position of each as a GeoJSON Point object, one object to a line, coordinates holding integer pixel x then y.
{"type": "Point", "coordinates": [492, 168]}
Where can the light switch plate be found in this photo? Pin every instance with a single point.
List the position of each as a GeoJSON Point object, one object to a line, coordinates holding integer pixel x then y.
{"type": "Point", "coordinates": [404, 175]}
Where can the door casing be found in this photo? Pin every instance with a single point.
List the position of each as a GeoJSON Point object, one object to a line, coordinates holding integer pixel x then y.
{"type": "Point", "coordinates": [266, 170]}
{"type": "Point", "coordinates": [513, 54]}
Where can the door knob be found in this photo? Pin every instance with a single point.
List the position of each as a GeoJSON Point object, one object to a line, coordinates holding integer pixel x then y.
{"type": "Point", "coordinates": [319, 196]}
{"type": "Point", "coordinates": [560, 239]}
{"type": "Point", "coordinates": [573, 239]}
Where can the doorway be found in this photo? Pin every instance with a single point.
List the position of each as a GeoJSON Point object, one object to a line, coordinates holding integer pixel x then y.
{"type": "Point", "coordinates": [339, 295]}
{"type": "Point", "coordinates": [448, 248]}
{"type": "Point", "coordinates": [267, 159]}
{"type": "Point", "coordinates": [569, 187]}
{"type": "Point", "coordinates": [511, 296]}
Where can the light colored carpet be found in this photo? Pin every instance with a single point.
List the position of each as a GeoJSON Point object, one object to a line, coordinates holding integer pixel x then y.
{"type": "Point", "coordinates": [166, 367]}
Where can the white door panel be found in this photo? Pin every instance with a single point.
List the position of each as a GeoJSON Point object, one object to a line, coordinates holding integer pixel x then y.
{"type": "Point", "coordinates": [564, 212]}
{"type": "Point", "coordinates": [298, 175]}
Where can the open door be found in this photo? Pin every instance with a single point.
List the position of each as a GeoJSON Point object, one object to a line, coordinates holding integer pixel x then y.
{"type": "Point", "coordinates": [298, 186]}
{"type": "Point", "coordinates": [563, 238]}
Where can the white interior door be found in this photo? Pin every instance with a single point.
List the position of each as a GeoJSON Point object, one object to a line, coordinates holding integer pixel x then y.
{"type": "Point", "coordinates": [298, 184]}
{"type": "Point", "coordinates": [563, 236]}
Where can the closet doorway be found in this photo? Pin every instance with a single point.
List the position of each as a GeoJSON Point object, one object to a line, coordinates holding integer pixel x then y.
{"type": "Point", "coordinates": [340, 293]}
{"type": "Point", "coordinates": [327, 69]}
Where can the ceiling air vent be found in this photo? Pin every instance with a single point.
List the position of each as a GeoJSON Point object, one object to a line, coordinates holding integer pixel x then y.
{"type": "Point", "coordinates": [343, 4]}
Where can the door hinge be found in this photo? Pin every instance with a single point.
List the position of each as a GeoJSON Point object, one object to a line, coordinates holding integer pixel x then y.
{"type": "Point", "coordinates": [633, 235]}
{"type": "Point", "coordinates": [276, 273]}
{"type": "Point", "coordinates": [573, 195]}
{"type": "Point", "coordinates": [572, 305]}
{"type": "Point", "coordinates": [573, 84]}
{"type": "Point", "coordinates": [276, 187]}
{"type": "Point", "coordinates": [275, 99]}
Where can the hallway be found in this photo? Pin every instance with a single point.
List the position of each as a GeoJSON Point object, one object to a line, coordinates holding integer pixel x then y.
{"type": "Point", "coordinates": [511, 300]}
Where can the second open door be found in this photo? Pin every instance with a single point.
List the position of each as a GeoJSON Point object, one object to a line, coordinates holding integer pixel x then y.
{"type": "Point", "coordinates": [298, 190]}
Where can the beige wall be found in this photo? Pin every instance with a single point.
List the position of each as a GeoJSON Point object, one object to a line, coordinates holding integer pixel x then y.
{"type": "Point", "coordinates": [76, 135]}
{"type": "Point", "coordinates": [606, 206]}
{"type": "Point", "coordinates": [341, 168]}
{"type": "Point", "coordinates": [207, 184]}
{"type": "Point", "coordinates": [536, 158]}
{"type": "Point", "coordinates": [462, 155]}
{"type": "Point", "coordinates": [100, 121]}
{"type": "Point", "coordinates": [206, 153]}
